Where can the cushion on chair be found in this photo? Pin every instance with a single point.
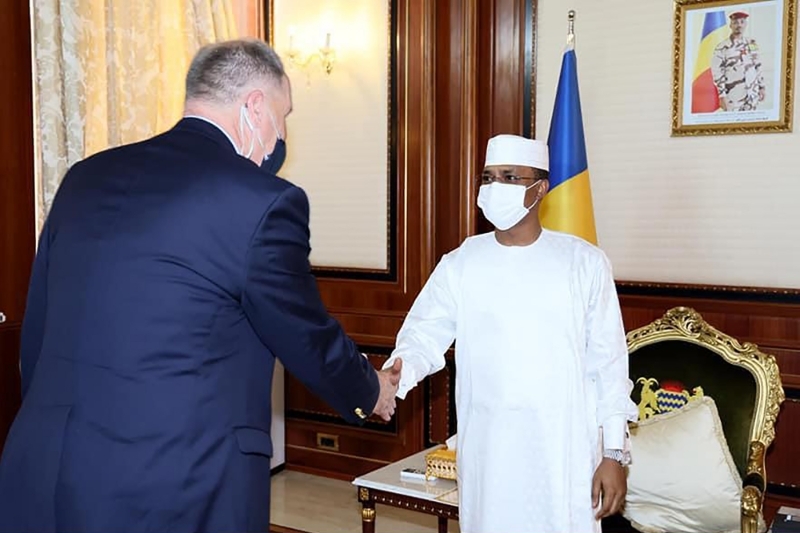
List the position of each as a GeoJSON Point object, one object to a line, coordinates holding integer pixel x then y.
{"type": "Point", "coordinates": [732, 387]}
{"type": "Point", "coordinates": [682, 477]}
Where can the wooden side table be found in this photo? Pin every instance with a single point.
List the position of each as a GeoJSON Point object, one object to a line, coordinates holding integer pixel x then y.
{"type": "Point", "coordinates": [437, 498]}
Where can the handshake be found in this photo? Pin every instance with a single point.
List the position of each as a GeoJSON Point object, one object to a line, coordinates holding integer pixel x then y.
{"type": "Point", "coordinates": [389, 380]}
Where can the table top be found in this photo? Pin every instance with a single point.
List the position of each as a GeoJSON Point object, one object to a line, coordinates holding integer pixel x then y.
{"type": "Point", "coordinates": [388, 479]}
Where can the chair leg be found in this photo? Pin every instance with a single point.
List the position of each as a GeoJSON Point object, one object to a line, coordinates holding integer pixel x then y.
{"type": "Point", "coordinates": [749, 524]}
{"type": "Point", "coordinates": [751, 508]}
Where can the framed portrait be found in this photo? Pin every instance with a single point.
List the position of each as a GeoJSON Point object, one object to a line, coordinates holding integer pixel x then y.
{"type": "Point", "coordinates": [733, 69]}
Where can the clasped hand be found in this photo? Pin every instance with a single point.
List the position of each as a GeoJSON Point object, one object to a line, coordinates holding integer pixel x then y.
{"type": "Point", "coordinates": [389, 380]}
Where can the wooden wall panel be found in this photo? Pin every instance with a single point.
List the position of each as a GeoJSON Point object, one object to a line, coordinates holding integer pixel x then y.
{"type": "Point", "coordinates": [17, 239]}
{"type": "Point", "coordinates": [319, 441]}
{"type": "Point", "coordinates": [501, 55]}
{"type": "Point", "coordinates": [249, 16]}
{"type": "Point", "coordinates": [9, 379]}
{"type": "Point", "coordinates": [440, 404]}
{"type": "Point", "coordinates": [371, 310]}
{"type": "Point", "coordinates": [783, 461]}
{"type": "Point", "coordinates": [457, 148]}
{"type": "Point", "coordinates": [500, 105]}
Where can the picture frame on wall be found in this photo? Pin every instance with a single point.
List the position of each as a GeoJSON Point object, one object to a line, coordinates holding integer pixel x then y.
{"type": "Point", "coordinates": [733, 69]}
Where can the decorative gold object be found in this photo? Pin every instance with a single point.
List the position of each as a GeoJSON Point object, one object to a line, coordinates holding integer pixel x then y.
{"type": "Point", "coordinates": [441, 463]}
{"type": "Point", "coordinates": [685, 324]}
{"type": "Point", "coordinates": [659, 401]}
{"type": "Point", "coordinates": [368, 514]}
{"type": "Point", "coordinates": [771, 110]}
{"type": "Point", "coordinates": [752, 499]}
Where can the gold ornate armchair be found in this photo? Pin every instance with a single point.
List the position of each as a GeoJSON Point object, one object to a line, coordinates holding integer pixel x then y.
{"type": "Point", "coordinates": [743, 382]}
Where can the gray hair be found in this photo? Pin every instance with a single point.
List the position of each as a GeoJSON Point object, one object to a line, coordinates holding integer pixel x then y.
{"type": "Point", "coordinates": [221, 71]}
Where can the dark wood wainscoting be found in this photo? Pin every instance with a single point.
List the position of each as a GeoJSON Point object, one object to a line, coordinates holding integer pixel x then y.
{"type": "Point", "coordinates": [17, 239]}
{"type": "Point", "coordinates": [321, 442]}
{"type": "Point", "coordinates": [10, 393]}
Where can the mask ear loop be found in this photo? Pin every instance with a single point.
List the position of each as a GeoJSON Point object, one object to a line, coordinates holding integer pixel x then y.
{"type": "Point", "coordinates": [274, 125]}
{"type": "Point", "coordinates": [254, 137]}
{"type": "Point", "coordinates": [534, 184]}
{"type": "Point", "coordinates": [244, 118]}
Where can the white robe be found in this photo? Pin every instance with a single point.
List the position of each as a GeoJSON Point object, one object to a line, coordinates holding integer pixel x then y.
{"type": "Point", "coordinates": [541, 369]}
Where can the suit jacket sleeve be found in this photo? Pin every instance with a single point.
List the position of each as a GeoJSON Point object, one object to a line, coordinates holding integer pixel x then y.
{"type": "Point", "coordinates": [35, 311]}
{"type": "Point", "coordinates": [283, 304]}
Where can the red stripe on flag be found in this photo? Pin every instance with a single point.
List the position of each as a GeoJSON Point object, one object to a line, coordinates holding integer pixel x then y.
{"type": "Point", "coordinates": [705, 98]}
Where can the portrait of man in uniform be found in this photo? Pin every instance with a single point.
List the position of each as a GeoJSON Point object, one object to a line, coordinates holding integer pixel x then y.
{"type": "Point", "coordinates": [733, 66]}
{"type": "Point", "coordinates": [736, 68]}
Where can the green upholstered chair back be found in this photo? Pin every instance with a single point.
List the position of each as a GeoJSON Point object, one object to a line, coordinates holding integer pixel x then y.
{"type": "Point", "coordinates": [732, 388]}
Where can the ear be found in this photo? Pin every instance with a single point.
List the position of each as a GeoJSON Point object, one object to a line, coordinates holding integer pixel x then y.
{"type": "Point", "coordinates": [255, 102]}
{"type": "Point", "coordinates": [544, 186]}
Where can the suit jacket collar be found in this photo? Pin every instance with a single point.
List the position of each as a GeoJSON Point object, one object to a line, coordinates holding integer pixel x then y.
{"type": "Point", "coordinates": [207, 129]}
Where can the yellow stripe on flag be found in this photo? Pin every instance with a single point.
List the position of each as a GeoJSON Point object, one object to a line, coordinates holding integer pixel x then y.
{"type": "Point", "coordinates": [706, 50]}
{"type": "Point", "coordinates": [568, 208]}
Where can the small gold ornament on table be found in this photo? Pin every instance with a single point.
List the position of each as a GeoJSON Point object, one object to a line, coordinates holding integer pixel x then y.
{"type": "Point", "coordinates": [441, 463]}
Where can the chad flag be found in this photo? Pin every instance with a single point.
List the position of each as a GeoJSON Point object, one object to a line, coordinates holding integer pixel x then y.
{"type": "Point", "coordinates": [705, 98]}
{"type": "Point", "coordinates": [568, 205]}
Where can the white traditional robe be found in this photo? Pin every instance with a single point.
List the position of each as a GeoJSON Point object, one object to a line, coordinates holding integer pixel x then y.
{"type": "Point", "coordinates": [541, 368]}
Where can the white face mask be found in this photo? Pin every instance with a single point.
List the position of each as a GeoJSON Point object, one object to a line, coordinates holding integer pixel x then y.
{"type": "Point", "coordinates": [503, 204]}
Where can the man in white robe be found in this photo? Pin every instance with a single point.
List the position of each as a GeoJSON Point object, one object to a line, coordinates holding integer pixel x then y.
{"type": "Point", "coordinates": [542, 387]}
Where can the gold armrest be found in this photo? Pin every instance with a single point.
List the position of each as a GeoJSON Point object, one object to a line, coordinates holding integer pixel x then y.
{"type": "Point", "coordinates": [754, 486]}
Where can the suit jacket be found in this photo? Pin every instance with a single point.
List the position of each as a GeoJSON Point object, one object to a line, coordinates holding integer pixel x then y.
{"type": "Point", "coordinates": [170, 274]}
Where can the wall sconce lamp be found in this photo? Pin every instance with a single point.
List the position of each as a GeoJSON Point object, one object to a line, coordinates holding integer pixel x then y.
{"type": "Point", "coordinates": [325, 54]}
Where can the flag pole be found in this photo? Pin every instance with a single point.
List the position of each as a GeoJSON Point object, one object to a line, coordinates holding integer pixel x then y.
{"type": "Point", "coordinates": [571, 28]}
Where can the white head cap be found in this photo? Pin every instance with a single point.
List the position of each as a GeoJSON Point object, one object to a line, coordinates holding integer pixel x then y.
{"type": "Point", "coordinates": [516, 150]}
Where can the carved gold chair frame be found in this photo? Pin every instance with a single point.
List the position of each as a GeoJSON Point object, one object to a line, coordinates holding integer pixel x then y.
{"type": "Point", "coordinates": [685, 324]}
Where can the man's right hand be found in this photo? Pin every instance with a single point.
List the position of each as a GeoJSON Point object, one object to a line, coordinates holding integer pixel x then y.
{"type": "Point", "coordinates": [389, 380]}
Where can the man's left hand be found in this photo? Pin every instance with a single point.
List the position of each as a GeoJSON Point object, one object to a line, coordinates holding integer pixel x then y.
{"type": "Point", "coordinates": [610, 482]}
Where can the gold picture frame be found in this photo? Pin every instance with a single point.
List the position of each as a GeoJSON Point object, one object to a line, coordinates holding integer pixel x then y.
{"type": "Point", "coordinates": [733, 66]}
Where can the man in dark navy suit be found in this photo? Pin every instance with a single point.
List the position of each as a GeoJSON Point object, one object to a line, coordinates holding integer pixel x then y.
{"type": "Point", "coordinates": [170, 274]}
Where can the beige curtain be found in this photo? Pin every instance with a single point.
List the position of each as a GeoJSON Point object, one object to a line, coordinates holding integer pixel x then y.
{"type": "Point", "coordinates": [111, 72]}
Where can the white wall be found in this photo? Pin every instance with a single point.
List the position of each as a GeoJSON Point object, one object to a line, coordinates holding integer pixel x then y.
{"type": "Point", "coordinates": [717, 210]}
